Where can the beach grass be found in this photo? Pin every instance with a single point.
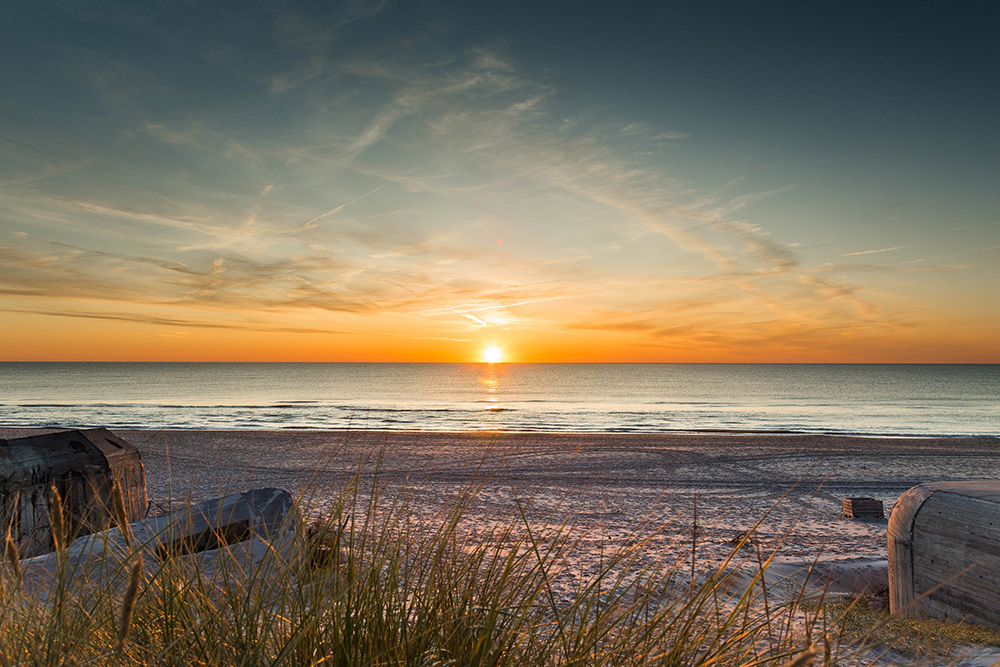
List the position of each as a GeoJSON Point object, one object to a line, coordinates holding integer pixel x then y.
{"type": "Point", "coordinates": [369, 581]}
{"type": "Point", "coordinates": [860, 622]}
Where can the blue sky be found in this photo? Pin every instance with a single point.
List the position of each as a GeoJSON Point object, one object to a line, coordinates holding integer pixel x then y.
{"type": "Point", "coordinates": [570, 181]}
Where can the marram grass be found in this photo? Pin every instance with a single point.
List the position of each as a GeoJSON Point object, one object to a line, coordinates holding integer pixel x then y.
{"type": "Point", "coordinates": [370, 584]}
{"type": "Point", "coordinates": [859, 622]}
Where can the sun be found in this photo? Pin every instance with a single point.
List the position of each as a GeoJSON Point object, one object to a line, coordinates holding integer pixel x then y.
{"type": "Point", "coordinates": [493, 354]}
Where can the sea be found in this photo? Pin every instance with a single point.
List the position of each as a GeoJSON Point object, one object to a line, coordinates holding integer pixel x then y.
{"type": "Point", "coordinates": [856, 399]}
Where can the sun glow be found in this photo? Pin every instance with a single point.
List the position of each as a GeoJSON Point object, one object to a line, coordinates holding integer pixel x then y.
{"type": "Point", "coordinates": [493, 354]}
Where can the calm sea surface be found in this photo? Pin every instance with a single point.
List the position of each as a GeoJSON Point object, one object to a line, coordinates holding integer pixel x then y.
{"type": "Point", "coordinates": [948, 400]}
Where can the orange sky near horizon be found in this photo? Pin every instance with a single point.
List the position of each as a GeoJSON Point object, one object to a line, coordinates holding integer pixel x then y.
{"type": "Point", "coordinates": [35, 338]}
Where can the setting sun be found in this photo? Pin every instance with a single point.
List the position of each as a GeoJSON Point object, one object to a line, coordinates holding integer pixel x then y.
{"type": "Point", "coordinates": [493, 354]}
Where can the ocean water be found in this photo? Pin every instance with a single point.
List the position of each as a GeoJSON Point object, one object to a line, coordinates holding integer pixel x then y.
{"type": "Point", "coordinates": [947, 400]}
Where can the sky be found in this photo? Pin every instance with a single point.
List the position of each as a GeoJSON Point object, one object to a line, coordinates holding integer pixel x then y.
{"type": "Point", "coordinates": [565, 181]}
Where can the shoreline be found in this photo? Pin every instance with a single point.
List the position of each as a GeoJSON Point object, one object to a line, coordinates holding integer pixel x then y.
{"type": "Point", "coordinates": [35, 428]}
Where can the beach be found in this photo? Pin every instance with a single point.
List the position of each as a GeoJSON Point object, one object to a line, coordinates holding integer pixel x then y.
{"type": "Point", "coordinates": [612, 488]}
{"type": "Point", "coordinates": [677, 505]}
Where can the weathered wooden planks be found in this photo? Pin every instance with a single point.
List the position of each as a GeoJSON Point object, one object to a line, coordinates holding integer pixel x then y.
{"type": "Point", "coordinates": [944, 551]}
{"type": "Point", "coordinates": [243, 537]}
{"type": "Point", "coordinates": [83, 465]}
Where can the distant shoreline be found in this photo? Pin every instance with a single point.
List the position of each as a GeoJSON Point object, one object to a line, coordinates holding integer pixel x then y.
{"type": "Point", "coordinates": [11, 428]}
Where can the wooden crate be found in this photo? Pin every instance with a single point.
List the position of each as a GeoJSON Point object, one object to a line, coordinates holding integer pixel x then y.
{"type": "Point", "coordinates": [857, 508]}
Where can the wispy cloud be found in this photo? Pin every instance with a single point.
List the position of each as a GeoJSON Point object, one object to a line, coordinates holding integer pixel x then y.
{"type": "Point", "coordinates": [873, 252]}
{"type": "Point", "coordinates": [182, 323]}
{"type": "Point", "coordinates": [310, 224]}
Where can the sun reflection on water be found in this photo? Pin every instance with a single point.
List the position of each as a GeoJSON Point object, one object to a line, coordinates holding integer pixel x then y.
{"type": "Point", "coordinates": [490, 380]}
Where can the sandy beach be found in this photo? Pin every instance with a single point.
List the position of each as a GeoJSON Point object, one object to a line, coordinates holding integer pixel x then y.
{"type": "Point", "coordinates": [611, 487]}
{"type": "Point", "coordinates": [662, 492]}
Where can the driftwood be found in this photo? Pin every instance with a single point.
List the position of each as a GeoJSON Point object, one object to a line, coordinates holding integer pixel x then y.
{"type": "Point", "coordinates": [944, 552]}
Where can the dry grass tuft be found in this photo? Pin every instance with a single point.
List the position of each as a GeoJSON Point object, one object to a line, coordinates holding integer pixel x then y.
{"type": "Point", "coordinates": [860, 622]}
